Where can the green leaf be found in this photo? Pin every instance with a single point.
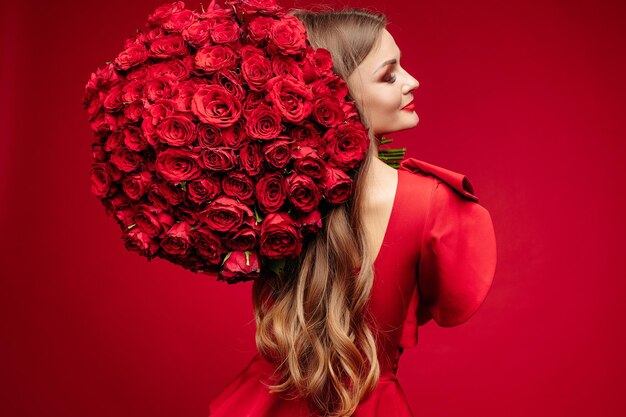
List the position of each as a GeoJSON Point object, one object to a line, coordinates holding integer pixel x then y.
{"type": "Point", "coordinates": [277, 265]}
{"type": "Point", "coordinates": [226, 257]}
{"type": "Point", "coordinates": [257, 216]}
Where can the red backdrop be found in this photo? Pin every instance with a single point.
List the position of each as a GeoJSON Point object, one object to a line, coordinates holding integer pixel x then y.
{"type": "Point", "coordinates": [525, 98]}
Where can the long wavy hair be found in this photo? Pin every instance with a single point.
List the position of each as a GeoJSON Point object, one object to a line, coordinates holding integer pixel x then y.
{"type": "Point", "coordinates": [311, 322]}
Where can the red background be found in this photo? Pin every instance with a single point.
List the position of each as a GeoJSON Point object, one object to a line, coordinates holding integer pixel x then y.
{"type": "Point", "coordinates": [525, 98]}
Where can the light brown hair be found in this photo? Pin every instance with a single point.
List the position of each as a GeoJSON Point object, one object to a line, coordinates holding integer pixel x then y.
{"type": "Point", "coordinates": [315, 328]}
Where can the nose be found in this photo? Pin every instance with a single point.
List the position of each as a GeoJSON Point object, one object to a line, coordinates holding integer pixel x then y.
{"type": "Point", "coordinates": [411, 84]}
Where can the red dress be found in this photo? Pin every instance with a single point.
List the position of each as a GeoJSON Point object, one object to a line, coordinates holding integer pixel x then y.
{"type": "Point", "coordinates": [437, 261]}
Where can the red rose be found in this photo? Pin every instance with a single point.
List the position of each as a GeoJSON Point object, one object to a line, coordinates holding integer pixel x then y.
{"type": "Point", "coordinates": [291, 97]}
{"type": "Point", "coordinates": [172, 70]}
{"type": "Point", "coordinates": [337, 186]}
{"type": "Point", "coordinates": [134, 110]}
{"type": "Point", "coordinates": [131, 57]}
{"type": "Point", "coordinates": [213, 58]}
{"type": "Point", "coordinates": [346, 145]}
{"type": "Point", "coordinates": [117, 200]}
{"type": "Point", "coordinates": [259, 29]}
{"type": "Point", "coordinates": [114, 101]}
{"type": "Point", "coordinates": [279, 237]}
{"type": "Point", "coordinates": [309, 223]}
{"type": "Point", "coordinates": [287, 36]}
{"type": "Point", "coordinates": [215, 106]}
{"type": "Point", "coordinates": [263, 123]}
{"type": "Point", "coordinates": [125, 214]}
{"type": "Point", "coordinates": [197, 33]}
{"type": "Point", "coordinates": [239, 186]}
{"type": "Point", "coordinates": [225, 214]}
{"type": "Point", "coordinates": [244, 239]}
{"type": "Point", "coordinates": [203, 189]}
{"type": "Point", "coordinates": [99, 124]}
{"type": "Point", "coordinates": [215, 13]}
{"type": "Point", "coordinates": [327, 112]}
{"type": "Point", "coordinates": [323, 61]}
{"type": "Point", "coordinates": [161, 109]}
{"type": "Point", "coordinates": [176, 130]}
{"type": "Point", "coordinates": [240, 266]}
{"type": "Point", "coordinates": [98, 152]}
{"type": "Point", "coordinates": [271, 192]}
{"type": "Point", "coordinates": [303, 193]}
{"type": "Point", "coordinates": [100, 179]}
{"type": "Point", "coordinates": [182, 96]}
{"type": "Point", "coordinates": [226, 31]}
{"type": "Point", "coordinates": [177, 240]}
{"type": "Point", "coordinates": [168, 47]}
{"type": "Point", "coordinates": [309, 72]}
{"type": "Point", "coordinates": [177, 165]}
{"type": "Point", "coordinates": [162, 13]}
{"type": "Point", "coordinates": [158, 89]}
{"type": "Point", "coordinates": [101, 80]}
{"type": "Point", "coordinates": [114, 141]}
{"type": "Point", "coordinates": [208, 244]}
{"type": "Point", "coordinates": [235, 136]}
{"type": "Point", "coordinates": [138, 73]}
{"type": "Point", "coordinates": [188, 214]}
{"type": "Point", "coordinates": [260, 6]}
{"type": "Point", "coordinates": [286, 65]}
{"type": "Point", "coordinates": [251, 158]}
{"type": "Point", "coordinates": [209, 136]}
{"type": "Point", "coordinates": [306, 134]}
{"type": "Point", "coordinates": [278, 152]}
{"type": "Point", "coordinates": [164, 195]}
{"type": "Point", "coordinates": [133, 90]}
{"type": "Point", "coordinates": [218, 159]}
{"type": "Point", "coordinates": [137, 185]}
{"type": "Point", "coordinates": [152, 221]}
{"type": "Point", "coordinates": [350, 111]}
{"type": "Point", "coordinates": [330, 86]}
{"type": "Point", "coordinates": [126, 160]}
{"type": "Point", "coordinates": [137, 241]}
{"type": "Point", "coordinates": [307, 162]}
{"type": "Point", "coordinates": [148, 127]}
{"type": "Point", "coordinates": [255, 67]}
{"type": "Point", "coordinates": [231, 81]}
{"type": "Point", "coordinates": [178, 21]}
{"type": "Point", "coordinates": [92, 102]}
{"type": "Point", "coordinates": [253, 100]}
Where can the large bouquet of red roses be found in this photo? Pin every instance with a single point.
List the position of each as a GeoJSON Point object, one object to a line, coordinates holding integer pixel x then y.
{"type": "Point", "coordinates": [222, 137]}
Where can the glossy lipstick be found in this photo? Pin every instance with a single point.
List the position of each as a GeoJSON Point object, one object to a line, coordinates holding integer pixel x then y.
{"type": "Point", "coordinates": [409, 107]}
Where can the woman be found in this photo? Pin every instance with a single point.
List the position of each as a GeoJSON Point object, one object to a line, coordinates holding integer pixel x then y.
{"type": "Point", "coordinates": [413, 244]}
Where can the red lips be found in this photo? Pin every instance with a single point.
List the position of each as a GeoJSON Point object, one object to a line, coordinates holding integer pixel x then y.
{"type": "Point", "coordinates": [409, 107]}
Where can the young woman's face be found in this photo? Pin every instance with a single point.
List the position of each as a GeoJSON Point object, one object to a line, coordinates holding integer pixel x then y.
{"type": "Point", "coordinates": [381, 89]}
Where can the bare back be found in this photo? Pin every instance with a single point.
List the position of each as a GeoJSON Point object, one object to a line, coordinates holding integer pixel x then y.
{"type": "Point", "coordinates": [379, 196]}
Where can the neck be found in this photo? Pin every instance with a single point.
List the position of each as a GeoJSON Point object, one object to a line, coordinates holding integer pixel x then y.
{"type": "Point", "coordinates": [377, 145]}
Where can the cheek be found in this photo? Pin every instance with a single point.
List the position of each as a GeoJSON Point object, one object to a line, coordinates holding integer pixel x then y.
{"type": "Point", "coordinates": [385, 102]}
{"type": "Point", "coordinates": [383, 108]}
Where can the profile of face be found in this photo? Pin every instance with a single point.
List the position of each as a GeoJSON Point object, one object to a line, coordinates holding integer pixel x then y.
{"type": "Point", "coordinates": [381, 88]}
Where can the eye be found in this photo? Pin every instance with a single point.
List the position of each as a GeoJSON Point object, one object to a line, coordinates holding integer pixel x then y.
{"type": "Point", "coordinates": [390, 78]}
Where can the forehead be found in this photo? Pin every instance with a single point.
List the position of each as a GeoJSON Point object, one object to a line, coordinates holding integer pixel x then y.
{"type": "Point", "coordinates": [384, 49]}
{"type": "Point", "coordinates": [386, 42]}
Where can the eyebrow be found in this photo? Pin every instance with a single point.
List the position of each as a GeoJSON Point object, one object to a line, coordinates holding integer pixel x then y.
{"type": "Point", "coordinates": [387, 62]}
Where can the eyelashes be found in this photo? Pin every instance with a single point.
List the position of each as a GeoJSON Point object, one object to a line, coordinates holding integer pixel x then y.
{"type": "Point", "coordinates": [390, 79]}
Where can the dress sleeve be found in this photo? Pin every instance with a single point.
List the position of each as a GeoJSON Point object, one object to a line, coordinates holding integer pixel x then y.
{"type": "Point", "coordinates": [458, 257]}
